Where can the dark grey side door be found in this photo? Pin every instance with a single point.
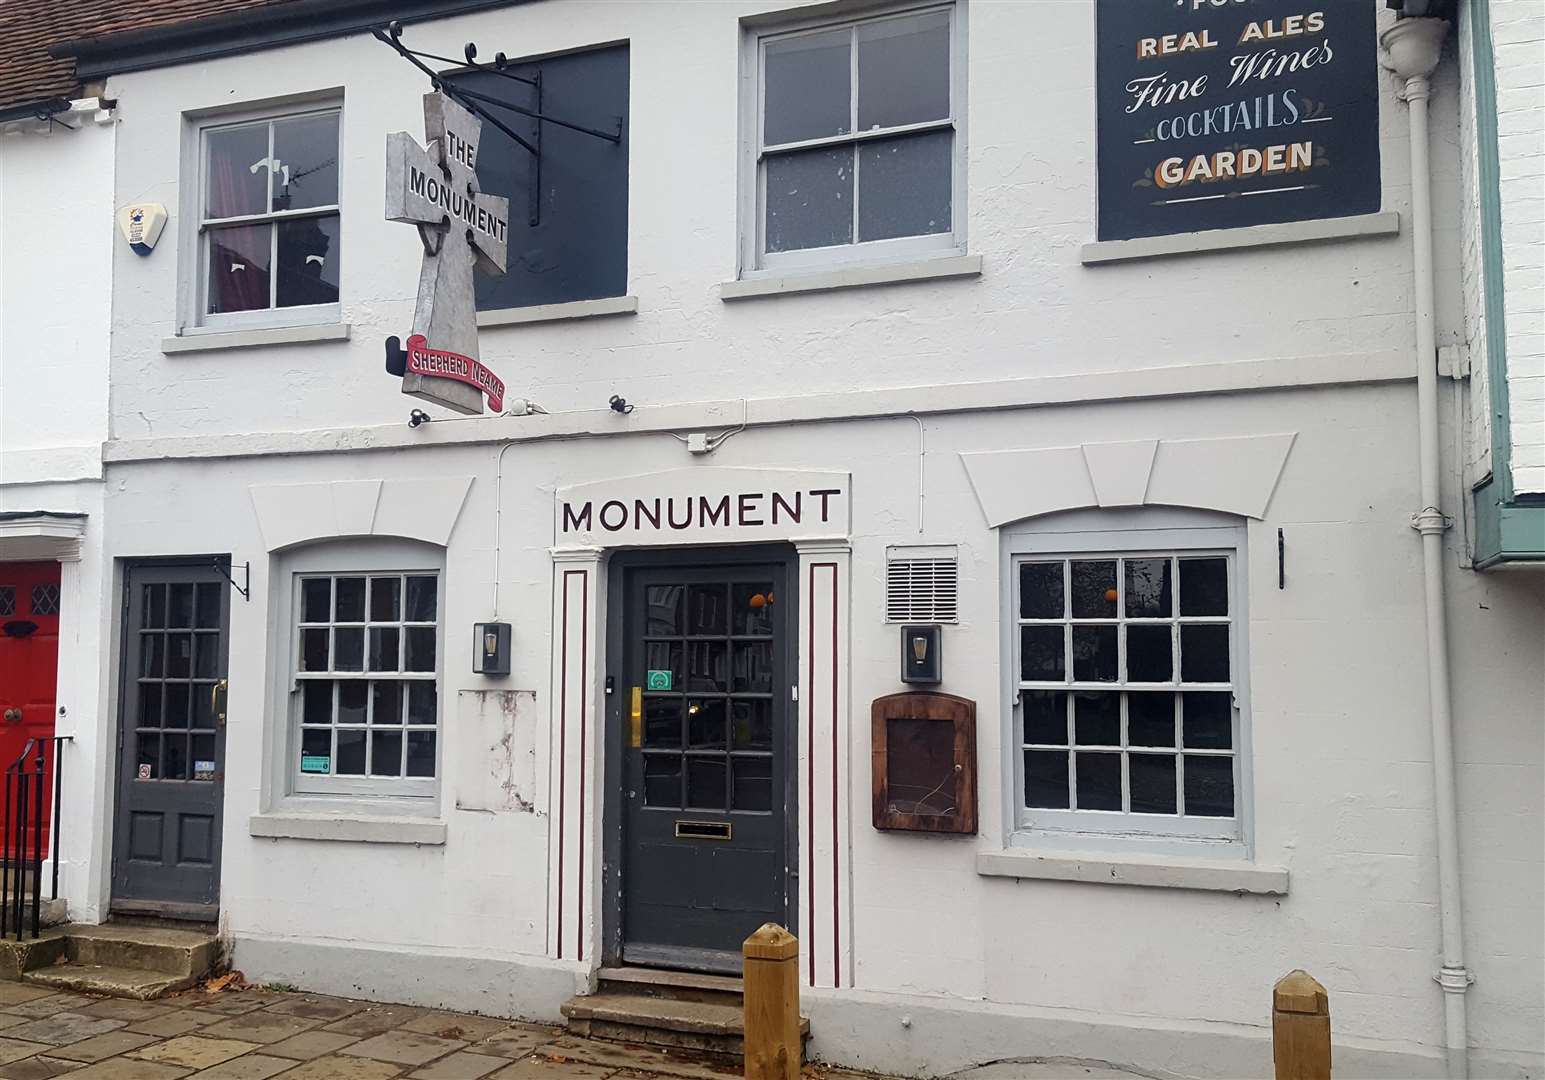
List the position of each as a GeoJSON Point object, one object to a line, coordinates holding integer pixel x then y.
{"type": "Point", "coordinates": [706, 654]}
{"type": "Point", "coordinates": [171, 741]}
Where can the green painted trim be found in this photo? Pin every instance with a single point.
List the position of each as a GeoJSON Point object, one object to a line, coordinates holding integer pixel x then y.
{"type": "Point", "coordinates": [1483, 75]}
{"type": "Point", "coordinates": [1507, 531]}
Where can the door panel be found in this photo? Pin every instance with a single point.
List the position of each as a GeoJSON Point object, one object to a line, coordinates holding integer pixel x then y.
{"type": "Point", "coordinates": [172, 740]}
{"type": "Point", "coordinates": [705, 764]}
{"type": "Point", "coordinates": [29, 669]}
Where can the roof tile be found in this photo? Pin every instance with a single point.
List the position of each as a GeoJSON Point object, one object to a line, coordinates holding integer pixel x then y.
{"type": "Point", "coordinates": [29, 27]}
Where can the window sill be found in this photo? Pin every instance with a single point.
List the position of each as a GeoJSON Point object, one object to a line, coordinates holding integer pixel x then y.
{"type": "Point", "coordinates": [1385, 223]}
{"type": "Point", "coordinates": [366, 830]}
{"type": "Point", "coordinates": [891, 273]}
{"type": "Point", "coordinates": [574, 309]}
{"type": "Point", "coordinates": [1164, 872]}
{"type": "Point", "coordinates": [206, 341]}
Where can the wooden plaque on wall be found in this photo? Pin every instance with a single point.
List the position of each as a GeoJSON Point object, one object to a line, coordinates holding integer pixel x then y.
{"type": "Point", "coordinates": [923, 757]}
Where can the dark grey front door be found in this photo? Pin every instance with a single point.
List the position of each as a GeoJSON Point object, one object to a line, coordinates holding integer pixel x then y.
{"type": "Point", "coordinates": [171, 737]}
{"type": "Point", "coordinates": [706, 662]}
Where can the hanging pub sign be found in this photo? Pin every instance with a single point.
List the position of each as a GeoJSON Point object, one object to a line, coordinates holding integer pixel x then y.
{"type": "Point", "coordinates": [1215, 114]}
{"type": "Point", "coordinates": [460, 229]}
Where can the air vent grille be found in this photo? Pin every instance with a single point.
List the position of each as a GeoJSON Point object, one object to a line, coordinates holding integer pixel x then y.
{"type": "Point", "coordinates": [922, 590]}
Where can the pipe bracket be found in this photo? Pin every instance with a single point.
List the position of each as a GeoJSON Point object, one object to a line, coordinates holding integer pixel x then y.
{"type": "Point", "coordinates": [1454, 980]}
{"type": "Point", "coordinates": [1430, 521]}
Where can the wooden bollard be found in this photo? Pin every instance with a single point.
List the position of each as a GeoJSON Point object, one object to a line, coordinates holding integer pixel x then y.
{"type": "Point", "coordinates": [1300, 1028]}
{"type": "Point", "coordinates": [771, 1004]}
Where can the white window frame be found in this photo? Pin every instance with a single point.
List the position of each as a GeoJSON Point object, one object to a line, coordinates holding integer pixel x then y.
{"type": "Point", "coordinates": [390, 795]}
{"type": "Point", "coordinates": [1099, 534]}
{"type": "Point", "coordinates": [755, 260]}
{"type": "Point", "coordinates": [194, 316]}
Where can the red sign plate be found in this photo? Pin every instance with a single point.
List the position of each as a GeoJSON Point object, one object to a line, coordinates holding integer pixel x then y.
{"type": "Point", "coordinates": [442, 364]}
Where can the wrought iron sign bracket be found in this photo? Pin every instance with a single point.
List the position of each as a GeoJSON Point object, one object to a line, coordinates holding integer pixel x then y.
{"type": "Point", "coordinates": [245, 588]}
{"type": "Point", "coordinates": [477, 103]}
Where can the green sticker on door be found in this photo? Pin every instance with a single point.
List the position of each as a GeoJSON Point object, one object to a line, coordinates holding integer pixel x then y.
{"type": "Point", "coordinates": [658, 680]}
{"type": "Point", "coordinates": [315, 763]}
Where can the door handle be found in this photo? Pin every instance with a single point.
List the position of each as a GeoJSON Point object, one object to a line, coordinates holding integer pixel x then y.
{"type": "Point", "coordinates": [13, 715]}
{"type": "Point", "coordinates": [215, 710]}
{"type": "Point", "coordinates": [636, 718]}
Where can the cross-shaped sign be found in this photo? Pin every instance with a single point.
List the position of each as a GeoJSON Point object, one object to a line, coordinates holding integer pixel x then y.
{"type": "Point", "coordinates": [460, 227]}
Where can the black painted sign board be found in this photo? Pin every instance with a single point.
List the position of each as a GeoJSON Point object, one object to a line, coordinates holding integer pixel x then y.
{"type": "Point", "coordinates": [1215, 114]}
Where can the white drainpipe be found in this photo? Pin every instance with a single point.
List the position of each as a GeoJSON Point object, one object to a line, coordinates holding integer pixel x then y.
{"type": "Point", "coordinates": [1412, 47]}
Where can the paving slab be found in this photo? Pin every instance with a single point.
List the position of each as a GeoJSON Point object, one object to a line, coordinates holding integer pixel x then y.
{"type": "Point", "coordinates": [317, 1006]}
{"type": "Point", "coordinates": [50, 1003]}
{"type": "Point", "coordinates": [449, 1025]}
{"type": "Point", "coordinates": [7, 1020]}
{"type": "Point", "coordinates": [194, 1051]}
{"type": "Point", "coordinates": [516, 1041]}
{"type": "Point", "coordinates": [14, 993]}
{"type": "Point", "coordinates": [103, 1046]}
{"type": "Point", "coordinates": [261, 1026]}
{"type": "Point", "coordinates": [538, 1068]}
{"type": "Point", "coordinates": [12, 1049]}
{"type": "Point", "coordinates": [228, 1003]}
{"type": "Point", "coordinates": [404, 1047]}
{"type": "Point", "coordinates": [173, 1023]}
{"type": "Point", "coordinates": [252, 1066]}
{"type": "Point", "coordinates": [37, 1068]}
{"type": "Point", "coordinates": [343, 1068]}
{"type": "Point", "coordinates": [118, 1009]}
{"type": "Point", "coordinates": [636, 1058]}
{"type": "Point", "coordinates": [129, 1069]}
{"type": "Point", "coordinates": [63, 1028]}
{"type": "Point", "coordinates": [310, 1044]}
{"type": "Point", "coordinates": [376, 1019]}
{"type": "Point", "coordinates": [461, 1065]}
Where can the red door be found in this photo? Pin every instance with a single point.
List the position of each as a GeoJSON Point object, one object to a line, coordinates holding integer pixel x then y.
{"type": "Point", "coordinates": [29, 666]}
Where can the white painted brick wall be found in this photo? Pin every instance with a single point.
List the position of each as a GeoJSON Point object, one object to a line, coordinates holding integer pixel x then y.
{"type": "Point", "coordinates": [56, 197]}
{"type": "Point", "coordinates": [1476, 442]}
{"type": "Point", "coordinates": [1518, 34]}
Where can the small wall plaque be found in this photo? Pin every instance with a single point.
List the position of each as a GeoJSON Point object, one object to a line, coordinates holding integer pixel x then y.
{"type": "Point", "coordinates": [923, 758]}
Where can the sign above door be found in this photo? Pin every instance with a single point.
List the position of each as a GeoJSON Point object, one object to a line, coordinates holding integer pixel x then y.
{"type": "Point", "coordinates": [704, 506]}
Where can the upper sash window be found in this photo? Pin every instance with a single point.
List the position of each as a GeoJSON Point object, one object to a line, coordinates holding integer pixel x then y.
{"type": "Point", "coordinates": [858, 150]}
{"type": "Point", "coordinates": [269, 212]}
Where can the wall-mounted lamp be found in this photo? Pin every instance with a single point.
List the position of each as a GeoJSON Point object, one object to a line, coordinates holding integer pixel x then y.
{"type": "Point", "coordinates": [922, 661]}
{"type": "Point", "coordinates": [491, 648]}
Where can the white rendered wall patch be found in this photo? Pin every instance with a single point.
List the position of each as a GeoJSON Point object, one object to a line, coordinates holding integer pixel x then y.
{"type": "Point", "coordinates": [141, 225]}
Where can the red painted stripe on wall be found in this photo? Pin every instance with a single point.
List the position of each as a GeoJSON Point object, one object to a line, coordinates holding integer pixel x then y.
{"type": "Point", "coordinates": [563, 730]}
{"type": "Point", "coordinates": [584, 722]}
{"type": "Point", "coordinates": [810, 768]}
{"type": "Point", "coordinates": [836, 816]}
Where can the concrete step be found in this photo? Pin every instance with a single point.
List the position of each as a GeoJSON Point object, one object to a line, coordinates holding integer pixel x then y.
{"type": "Point", "coordinates": [19, 957]}
{"type": "Point", "coordinates": [679, 985]}
{"type": "Point", "coordinates": [134, 961]}
{"type": "Point", "coordinates": [184, 954]}
{"type": "Point", "coordinates": [631, 1016]}
{"type": "Point", "coordinates": [120, 982]}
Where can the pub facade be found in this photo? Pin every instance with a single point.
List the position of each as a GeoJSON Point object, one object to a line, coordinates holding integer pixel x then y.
{"type": "Point", "coordinates": [976, 484]}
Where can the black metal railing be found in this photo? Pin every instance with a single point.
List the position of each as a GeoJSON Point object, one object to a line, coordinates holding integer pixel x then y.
{"type": "Point", "coordinates": [27, 780]}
